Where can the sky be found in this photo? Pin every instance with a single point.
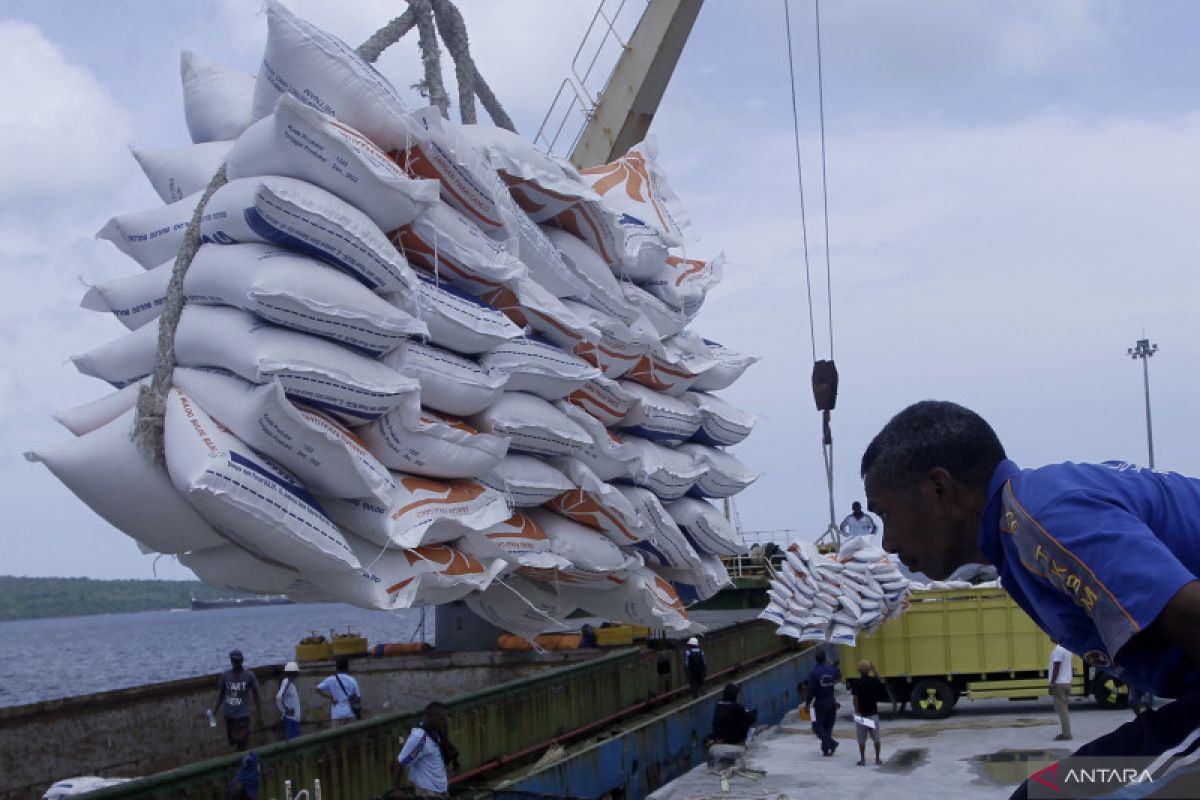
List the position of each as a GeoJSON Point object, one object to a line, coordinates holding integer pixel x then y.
{"type": "Point", "coordinates": [1012, 195]}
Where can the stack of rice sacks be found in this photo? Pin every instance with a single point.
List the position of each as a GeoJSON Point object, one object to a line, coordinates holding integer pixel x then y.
{"type": "Point", "coordinates": [833, 597]}
{"type": "Point", "coordinates": [418, 362]}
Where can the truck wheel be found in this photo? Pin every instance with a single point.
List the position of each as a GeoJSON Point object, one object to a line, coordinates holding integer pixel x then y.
{"type": "Point", "coordinates": [1110, 692]}
{"type": "Point", "coordinates": [932, 698]}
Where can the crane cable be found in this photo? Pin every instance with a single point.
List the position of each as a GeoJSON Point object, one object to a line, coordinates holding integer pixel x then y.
{"type": "Point", "coordinates": [824, 375]}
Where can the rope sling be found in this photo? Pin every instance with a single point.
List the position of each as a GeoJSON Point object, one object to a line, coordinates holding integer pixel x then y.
{"type": "Point", "coordinates": [431, 18]}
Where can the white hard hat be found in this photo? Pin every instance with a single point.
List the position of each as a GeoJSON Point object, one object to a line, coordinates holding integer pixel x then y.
{"type": "Point", "coordinates": [291, 666]}
{"type": "Point", "coordinates": [693, 642]}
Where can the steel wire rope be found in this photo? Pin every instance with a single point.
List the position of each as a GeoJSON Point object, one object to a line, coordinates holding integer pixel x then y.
{"type": "Point", "coordinates": [824, 176]}
{"type": "Point", "coordinates": [812, 331]}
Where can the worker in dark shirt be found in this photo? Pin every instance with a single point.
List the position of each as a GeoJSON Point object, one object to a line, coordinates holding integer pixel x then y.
{"type": "Point", "coordinates": [866, 690]}
{"type": "Point", "coordinates": [821, 683]}
{"type": "Point", "coordinates": [732, 720]}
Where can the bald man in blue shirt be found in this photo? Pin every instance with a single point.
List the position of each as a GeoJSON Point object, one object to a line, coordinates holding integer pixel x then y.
{"type": "Point", "coordinates": [1103, 557]}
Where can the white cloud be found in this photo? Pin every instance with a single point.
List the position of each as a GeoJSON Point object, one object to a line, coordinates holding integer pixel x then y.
{"type": "Point", "coordinates": [944, 40]}
{"type": "Point", "coordinates": [60, 131]}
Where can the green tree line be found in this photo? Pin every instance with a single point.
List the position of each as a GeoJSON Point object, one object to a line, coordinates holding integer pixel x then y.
{"type": "Point", "coordinates": [35, 598]}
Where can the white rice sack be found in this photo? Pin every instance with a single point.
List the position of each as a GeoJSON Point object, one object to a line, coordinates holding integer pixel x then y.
{"type": "Point", "coordinates": [178, 172]}
{"type": "Point", "coordinates": [429, 575]}
{"type": "Point", "coordinates": [603, 290]}
{"type": "Point", "coordinates": [231, 568]}
{"type": "Point", "coordinates": [533, 425]}
{"type": "Point", "coordinates": [255, 503]}
{"type": "Point", "coordinates": [275, 210]}
{"type": "Point", "coordinates": [657, 417]}
{"type": "Point", "coordinates": [663, 543]}
{"type": "Point", "coordinates": [538, 367]}
{"type": "Point", "coordinates": [87, 417]}
{"type": "Point", "coordinates": [550, 190]}
{"type": "Point", "coordinates": [312, 371]}
{"type": "Point", "coordinates": [530, 306]}
{"type": "Point", "coordinates": [603, 400]}
{"type": "Point", "coordinates": [135, 299]}
{"type": "Point", "coordinates": [721, 424]}
{"type": "Point", "coordinates": [778, 596]}
{"type": "Point", "coordinates": [666, 320]}
{"type": "Point", "coordinates": [634, 184]}
{"type": "Point", "coordinates": [286, 289]}
{"type": "Point", "coordinates": [107, 471]}
{"type": "Point", "coordinates": [706, 528]}
{"type": "Point", "coordinates": [683, 283]}
{"type": "Point", "coordinates": [668, 473]}
{"type": "Point", "coordinates": [298, 141]}
{"type": "Point", "coordinates": [321, 70]}
{"type": "Point", "coordinates": [325, 456]}
{"type": "Point", "coordinates": [621, 345]}
{"type": "Point", "coordinates": [435, 148]}
{"type": "Point", "coordinates": [518, 605]}
{"type": "Point", "coordinates": [842, 634]}
{"type": "Point", "coordinates": [598, 505]}
{"type": "Point", "coordinates": [729, 368]}
{"type": "Point", "coordinates": [606, 455]}
{"type": "Point", "coordinates": [456, 320]}
{"type": "Point", "coordinates": [444, 242]}
{"type": "Point", "coordinates": [644, 251]}
{"type": "Point", "coordinates": [449, 382]}
{"type": "Point", "coordinates": [798, 560]}
{"type": "Point", "coordinates": [671, 367]}
{"type": "Point", "coordinates": [535, 180]}
{"type": "Point", "coordinates": [422, 511]}
{"type": "Point", "coordinates": [694, 585]}
{"type": "Point", "coordinates": [815, 633]}
{"type": "Point", "coordinates": [217, 100]}
{"type": "Point", "coordinates": [773, 614]}
{"type": "Point", "coordinates": [582, 546]}
{"type": "Point", "coordinates": [546, 264]}
{"type": "Point", "coordinates": [426, 443]}
{"type": "Point", "coordinates": [518, 540]}
{"type": "Point", "coordinates": [641, 597]}
{"type": "Point", "coordinates": [527, 481]}
{"type": "Point", "coordinates": [850, 603]}
{"type": "Point", "coordinates": [726, 474]}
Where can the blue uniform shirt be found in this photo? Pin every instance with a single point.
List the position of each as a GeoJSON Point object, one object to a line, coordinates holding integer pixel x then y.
{"type": "Point", "coordinates": [1093, 553]}
{"type": "Point", "coordinates": [821, 683]}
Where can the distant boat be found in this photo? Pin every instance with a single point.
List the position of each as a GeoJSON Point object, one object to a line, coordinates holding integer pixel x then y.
{"type": "Point", "coordinates": [240, 602]}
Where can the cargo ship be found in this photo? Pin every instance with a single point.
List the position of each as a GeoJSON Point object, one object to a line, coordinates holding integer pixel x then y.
{"type": "Point", "coordinates": [240, 602]}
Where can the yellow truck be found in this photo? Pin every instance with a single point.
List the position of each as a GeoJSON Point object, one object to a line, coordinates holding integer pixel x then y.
{"type": "Point", "coordinates": [975, 642]}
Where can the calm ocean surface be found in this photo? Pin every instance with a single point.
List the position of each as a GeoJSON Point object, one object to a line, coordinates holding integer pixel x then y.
{"type": "Point", "coordinates": [48, 658]}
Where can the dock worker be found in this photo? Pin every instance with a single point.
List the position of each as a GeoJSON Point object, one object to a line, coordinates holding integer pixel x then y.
{"type": "Point", "coordinates": [732, 721]}
{"type": "Point", "coordinates": [695, 666]}
{"type": "Point", "coordinates": [1060, 674]}
{"type": "Point", "coordinates": [1103, 557]}
{"type": "Point", "coordinates": [866, 690]}
{"type": "Point", "coordinates": [248, 781]}
{"type": "Point", "coordinates": [236, 687]}
{"type": "Point", "coordinates": [427, 755]}
{"type": "Point", "coordinates": [822, 682]}
{"type": "Point", "coordinates": [341, 690]}
{"type": "Point", "coordinates": [287, 700]}
{"type": "Point", "coordinates": [857, 523]}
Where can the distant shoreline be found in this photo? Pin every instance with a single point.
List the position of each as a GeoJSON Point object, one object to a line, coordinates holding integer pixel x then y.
{"type": "Point", "coordinates": [24, 598]}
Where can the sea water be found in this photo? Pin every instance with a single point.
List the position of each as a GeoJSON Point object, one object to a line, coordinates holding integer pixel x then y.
{"type": "Point", "coordinates": [42, 659]}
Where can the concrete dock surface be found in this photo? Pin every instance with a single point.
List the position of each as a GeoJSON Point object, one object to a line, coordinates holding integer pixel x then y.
{"type": "Point", "coordinates": [983, 750]}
